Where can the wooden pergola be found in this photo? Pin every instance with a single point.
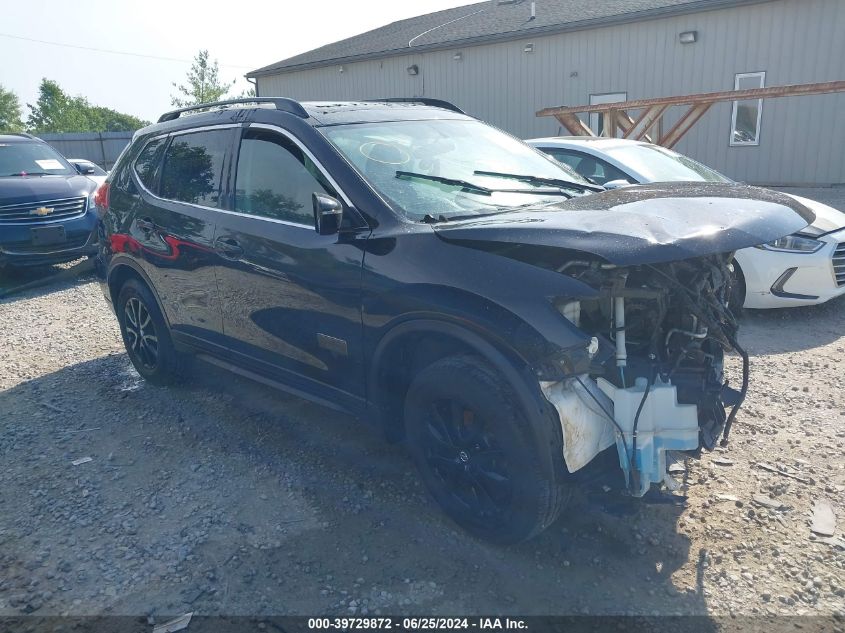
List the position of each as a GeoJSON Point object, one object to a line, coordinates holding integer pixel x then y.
{"type": "Point", "coordinates": [618, 116]}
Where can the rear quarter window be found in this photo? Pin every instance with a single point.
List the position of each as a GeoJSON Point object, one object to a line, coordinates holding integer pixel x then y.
{"type": "Point", "coordinates": [147, 163]}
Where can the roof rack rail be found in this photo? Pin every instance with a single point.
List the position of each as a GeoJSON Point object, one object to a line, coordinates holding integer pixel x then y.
{"type": "Point", "coordinates": [282, 103]}
{"type": "Point", "coordinates": [435, 103]}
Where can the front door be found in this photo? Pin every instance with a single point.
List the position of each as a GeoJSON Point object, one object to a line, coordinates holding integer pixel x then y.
{"type": "Point", "coordinates": [290, 298]}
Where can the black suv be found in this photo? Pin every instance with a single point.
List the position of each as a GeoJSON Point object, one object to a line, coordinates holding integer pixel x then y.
{"type": "Point", "coordinates": [46, 208]}
{"type": "Point", "coordinates": [436, 276]}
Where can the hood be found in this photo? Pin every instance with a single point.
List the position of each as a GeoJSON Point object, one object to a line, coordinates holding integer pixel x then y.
{"type": "Point", "coordinates": [22, 189]}
{"type": "Point", "coordinates": [827, 220]}
{"type": "Point", "coordinates": [645, 223]}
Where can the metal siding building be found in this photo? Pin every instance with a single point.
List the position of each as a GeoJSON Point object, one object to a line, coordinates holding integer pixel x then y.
{"type": "Point", "coordinates": [801, 139]}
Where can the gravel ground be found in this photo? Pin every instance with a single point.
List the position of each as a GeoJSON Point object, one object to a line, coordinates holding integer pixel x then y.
{"type": "Point", "coordinates": [833, 196]}
{"type": "Point", "coordinates": [224, 497]}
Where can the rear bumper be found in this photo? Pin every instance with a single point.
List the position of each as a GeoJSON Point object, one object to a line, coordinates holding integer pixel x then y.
{"type": "Point", "coordinates": [17, 249]}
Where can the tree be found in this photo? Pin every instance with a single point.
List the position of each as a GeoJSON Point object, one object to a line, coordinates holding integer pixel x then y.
{"type": "Point", "coordinates": [108, 120]}
{"type": "Point", "coordinates": [56, 111]}
{"type": "Point", "coordinates": [203, 83]}
{"type": "Point", "coordinates": [10, 111]}
{"type": "Point", "coordinates": [248, 93]}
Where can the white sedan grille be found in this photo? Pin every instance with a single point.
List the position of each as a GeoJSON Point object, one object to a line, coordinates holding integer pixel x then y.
{"type": "Point", "coordinates": [839, 264]}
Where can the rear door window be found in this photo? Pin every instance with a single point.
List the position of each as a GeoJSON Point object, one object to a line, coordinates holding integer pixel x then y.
{"type": "Point", "coordinates": [193, 168]}
{"type": "Point", "coordinates": [275, 179]}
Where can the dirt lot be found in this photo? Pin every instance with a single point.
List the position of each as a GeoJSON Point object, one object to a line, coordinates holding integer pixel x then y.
{"type": "Point", "coordinates": [224, 497]}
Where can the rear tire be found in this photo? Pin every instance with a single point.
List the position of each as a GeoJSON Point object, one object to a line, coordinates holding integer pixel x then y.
{"type": "Point", "coordinates": [146, 335]}
{"type": "Point", "coordinates": [480, 457]}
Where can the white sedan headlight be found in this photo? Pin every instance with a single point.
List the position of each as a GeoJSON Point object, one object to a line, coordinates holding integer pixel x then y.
{"type": "Point", "coordinates": [793, 244]}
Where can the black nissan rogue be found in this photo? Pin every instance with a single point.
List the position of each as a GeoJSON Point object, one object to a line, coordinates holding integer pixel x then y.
{"type": "Point", "coordinates": [435, 276]}
{"type": "Point", "coordinates": [46, 210]}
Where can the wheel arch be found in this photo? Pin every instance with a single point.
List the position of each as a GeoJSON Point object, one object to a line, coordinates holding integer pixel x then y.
{"type": "Point", "coordinates": [120, 272]}
{"type": "Point", "coordinates": [413, 344]}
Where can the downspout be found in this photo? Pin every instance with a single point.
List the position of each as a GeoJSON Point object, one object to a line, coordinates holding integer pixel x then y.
{"type": "Point", "coordinates": [254, 83]}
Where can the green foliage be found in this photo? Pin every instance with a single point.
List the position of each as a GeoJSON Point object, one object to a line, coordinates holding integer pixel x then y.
{"type": "Point", "coordinates": [246, 94]}
{"type": "Point", "coordinates": [10, 111]}
{"type": "Point", "coordinates": [108, 120]}
{"type": "Point", "coordinates": [203, 83]}
{"type": "Point", "coordinates": [56, 111]}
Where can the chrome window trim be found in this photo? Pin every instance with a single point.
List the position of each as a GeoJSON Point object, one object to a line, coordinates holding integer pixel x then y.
{"type": "Point", "coordinates": [134, 165]}
{"type": "Point", "coordinates": [265, 126]}
{"type": "Point", "coordinates": [204, 128]}
{"type": "Point", "coordinates": [307, 152]}
{"type": "Point", "coordinates": [216, 210]}
{"type": "Point", "coordinates": [157, 137]}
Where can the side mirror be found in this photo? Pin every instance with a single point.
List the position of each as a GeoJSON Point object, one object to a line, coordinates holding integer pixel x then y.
{"type": "Point", "coordinates": [328, 212]}
{"type": "Point", "coordinates": [616, 184]}
{"type": "Point", "coordinates": [82, 169]}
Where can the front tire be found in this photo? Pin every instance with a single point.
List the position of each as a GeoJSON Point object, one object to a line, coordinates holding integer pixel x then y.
{"type": "Point", "coordinates": [479, 456]}
{"type": "Point", "coordinates": [146, 335]}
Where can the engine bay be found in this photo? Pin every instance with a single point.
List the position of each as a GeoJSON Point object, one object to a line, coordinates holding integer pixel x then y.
{"type": "Point", "coordinates": [663, 330]}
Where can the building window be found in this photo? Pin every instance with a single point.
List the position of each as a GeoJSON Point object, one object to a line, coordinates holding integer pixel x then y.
{"type": "Point", "coordinates": [745, 118]}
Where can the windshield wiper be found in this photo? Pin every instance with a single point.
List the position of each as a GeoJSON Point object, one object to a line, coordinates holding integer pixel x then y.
{"type": "Point", "coordinates": [484, 191]}
{"type": "Point", "coordinates": [463, 184]}
{"type": "Point", "coordinates": [29, 173]}
{"type": "Point", "coordinates": [539, 180]}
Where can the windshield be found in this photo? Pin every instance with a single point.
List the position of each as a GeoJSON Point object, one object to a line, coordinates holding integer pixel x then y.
{"type": "Point", "coordinates": [452, 168]}
{"type": "Point", "coordinates": [32, 159]}
{"type": "Point", "coordinates": [658, 164]}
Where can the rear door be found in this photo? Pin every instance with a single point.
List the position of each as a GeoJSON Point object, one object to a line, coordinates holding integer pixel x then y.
{"type": "Point", "coordinates": [183, 178]}
{"type": "Point", "coordinates": [290, 297]}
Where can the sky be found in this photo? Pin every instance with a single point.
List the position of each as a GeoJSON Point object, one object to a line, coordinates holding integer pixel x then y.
{"type": "Point", "coordinates": [241, 40]}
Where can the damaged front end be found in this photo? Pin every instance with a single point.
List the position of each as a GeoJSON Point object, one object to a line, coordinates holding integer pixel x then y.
{"type": "Point", "coordinates": [655, 260]}
{"type": "Point", "coordinates": [657, 368]}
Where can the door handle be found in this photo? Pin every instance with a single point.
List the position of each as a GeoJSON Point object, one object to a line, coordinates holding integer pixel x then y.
{"type": "Point", "coordinates": [228, 247]}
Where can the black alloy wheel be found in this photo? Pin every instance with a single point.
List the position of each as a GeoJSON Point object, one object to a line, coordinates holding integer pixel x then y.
{"type": "Point", "coordinates": [491, 467]}
{"type": "Point", "coordinates": [140, 330]}
{"type": "Point", "coordinates": [146, 335]}
{"type": "Point", "coordinates": [465, 456]}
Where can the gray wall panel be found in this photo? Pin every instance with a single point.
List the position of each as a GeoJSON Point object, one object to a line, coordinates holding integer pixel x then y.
{"type": "Point", "coordinates": [794, 41]}
{"type": "Point", "coordinates": [101, 148]}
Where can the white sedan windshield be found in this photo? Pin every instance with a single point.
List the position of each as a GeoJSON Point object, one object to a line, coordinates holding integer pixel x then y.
{"type": "Point", "coordinates": [658, 164]}
{"type": "Point", "coordinates": [452, 167]}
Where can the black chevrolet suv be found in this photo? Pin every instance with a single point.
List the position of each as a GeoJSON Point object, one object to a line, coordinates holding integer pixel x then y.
{"type": "Point", "coordinates": [441, 279]}
{"type": "Point", "coordinates": [46, 207]}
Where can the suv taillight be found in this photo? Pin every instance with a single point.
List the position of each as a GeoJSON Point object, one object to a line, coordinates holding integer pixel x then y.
{"type": "Point", "coordinates": [101, 198]}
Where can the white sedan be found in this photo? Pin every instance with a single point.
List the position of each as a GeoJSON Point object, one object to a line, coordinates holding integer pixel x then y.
{"type": "Point", "coordinates": [802, 269]}
{"type": "Point", "coordinates": [89, 169]}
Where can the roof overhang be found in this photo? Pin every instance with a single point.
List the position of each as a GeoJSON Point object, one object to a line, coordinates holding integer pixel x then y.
{"type": "Point", "coordinates": [700, 6]}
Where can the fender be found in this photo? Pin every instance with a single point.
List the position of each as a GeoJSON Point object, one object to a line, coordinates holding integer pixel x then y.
{"type": "Point", "coordinates": [514, 298]}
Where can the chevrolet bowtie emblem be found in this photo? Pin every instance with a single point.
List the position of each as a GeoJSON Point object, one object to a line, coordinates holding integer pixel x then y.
{"type": "Point", "coordinates": [42, 211]}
